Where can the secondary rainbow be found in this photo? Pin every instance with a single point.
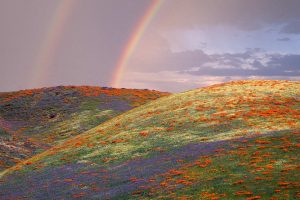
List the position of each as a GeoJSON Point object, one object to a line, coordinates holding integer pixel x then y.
{"type": "Point", "coordinates": [133, 41]}
{"type": "Point", "coordinates": [50, 44]}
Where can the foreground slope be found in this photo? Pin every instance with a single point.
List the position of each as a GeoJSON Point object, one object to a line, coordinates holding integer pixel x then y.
{"type": "Point", "coordinates": [236, 140]}
{"type": "Point", "coordinates": [34, 120]}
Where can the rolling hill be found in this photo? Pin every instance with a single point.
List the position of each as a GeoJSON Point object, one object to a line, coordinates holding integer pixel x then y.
{"type": "Point", "coordinates": [34, 120]}
{"type": "Point", "coordinates": [238, 140]}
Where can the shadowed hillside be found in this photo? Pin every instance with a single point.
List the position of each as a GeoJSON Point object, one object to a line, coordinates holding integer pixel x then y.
{"type": "Point", "coordinates": [34, 120]}
{"type": "Point", "coordinates": [238, 140]}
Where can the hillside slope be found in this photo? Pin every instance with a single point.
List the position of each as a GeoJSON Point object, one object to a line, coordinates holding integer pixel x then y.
{"type": "Point", "coordinates": [34, 120]}
{"type": "Point", "coordinates": [238, 140]}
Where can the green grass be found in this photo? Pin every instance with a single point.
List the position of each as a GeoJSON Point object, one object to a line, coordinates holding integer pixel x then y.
{"type": "Point", "coordinates": [209, 114]}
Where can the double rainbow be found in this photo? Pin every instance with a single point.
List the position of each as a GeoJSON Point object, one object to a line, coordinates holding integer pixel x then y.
{"type": "Point", "coordinates": [56, 29]}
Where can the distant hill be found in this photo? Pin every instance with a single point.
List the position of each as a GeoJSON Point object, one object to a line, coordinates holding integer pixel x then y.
{"type": "Point", "coordinates": [34, 120]}
{"type": "Point", "coordinates": [238, 140]}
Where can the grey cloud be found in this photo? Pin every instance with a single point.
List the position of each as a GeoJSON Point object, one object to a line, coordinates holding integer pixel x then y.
{"type": "Point", "coordinates": [155, 55]}
{"type": "Point", "coordinates": [169, 60]}
{"type": "Point", "coordinates": [286, 63]}
{"type": "Point", "coordinates": [285, 39]}
{"type": "Point", "coordinates": [291, 28]}
{"type": "Point", "coordinates": [244, 14]}
{"type": "Point", "coordinates": [250, 64]}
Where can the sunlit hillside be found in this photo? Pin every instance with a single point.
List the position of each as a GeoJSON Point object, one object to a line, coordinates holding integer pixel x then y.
{"type": "Point", "coordinates": [238, 140]}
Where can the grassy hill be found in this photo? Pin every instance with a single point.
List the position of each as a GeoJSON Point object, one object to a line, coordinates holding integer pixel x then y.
{"type": "Point", "coordinates": [34, 120]}
{"type": "Point", "coordinates": [238, 140]}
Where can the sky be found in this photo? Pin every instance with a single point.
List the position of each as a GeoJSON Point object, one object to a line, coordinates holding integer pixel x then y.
{"type": "Point", "coordinates": [167, 45]}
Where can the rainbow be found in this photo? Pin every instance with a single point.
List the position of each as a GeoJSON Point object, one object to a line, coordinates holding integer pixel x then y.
{"type": "Point", "coordinates": [134, 40]}
{"type": "Point", "coordinates": [51, 41]}
{"type": "Point", "coordinates": [54, 34]}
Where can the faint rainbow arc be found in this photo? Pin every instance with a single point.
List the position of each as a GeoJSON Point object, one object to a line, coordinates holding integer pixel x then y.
{"type": "Point", "coordinates": [51, 42]}
{"type": "Point", "coordinates": [134, 41]}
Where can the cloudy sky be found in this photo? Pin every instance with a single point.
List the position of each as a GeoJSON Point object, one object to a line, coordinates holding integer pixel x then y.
{"type": "Point", "coordinates": [187, 44]}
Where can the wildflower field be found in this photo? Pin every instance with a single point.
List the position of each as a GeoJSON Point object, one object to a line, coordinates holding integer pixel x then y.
{"type": "Point", "coordinates": [237, 140]}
